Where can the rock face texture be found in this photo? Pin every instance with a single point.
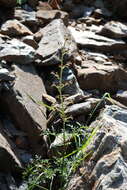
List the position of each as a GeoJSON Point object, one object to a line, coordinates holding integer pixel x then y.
{"type": "Point", "coordinates": [27, 114]}
{"type": "Point", "coordinates": [14, 28]}
{"type": "Point", "coordinates": [63, 94]}
{"type": "Point", "coordinates": [93, 41]}
{"type": "Point", "coordinates": [107, 167]}
{"type": "Point", "coordinates": [90, 75]}
{"type": "Point", "coordinates": [114, 30]}
{"type": "Point", "coordinates": [55, 37]}
{"type": "Point", "coordinates": [8, 156]}
{"type": "Point", "coordinates": [17, 51]}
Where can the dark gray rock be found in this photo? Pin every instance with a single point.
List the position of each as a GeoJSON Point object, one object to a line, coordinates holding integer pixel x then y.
{"type": "Point", "coordinates": [27, 115]}
{"type": "Point", "coordinates": [71, 86]}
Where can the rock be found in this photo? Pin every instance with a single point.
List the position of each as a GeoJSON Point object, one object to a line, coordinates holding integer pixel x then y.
{"type": "Point", "coordinates": [17, 52]}
{"type": "Point", "coordinates": [55, 37]}
{"type": "Point", "coordinates": [60, 144]}
{"type": "Point", "coordinates": [38, 35]}
{"type": "Point", "coordinates": [83, 108]}
{"type": "Point", "coordinates": [4, 75]}
{"type": "Point", "coordinates": [46, 16]}
{"type": "Point", "coordinates": [21, 142]}
{"type": "Point", "coordinates": [121, 96]}
{"type": "Point", "coordinates": [68, 6]}
{"type": "Point", "coordinates": [99, 58]}
{"type": "Point", "coordinates": [9, 3]}
{"type": "Point", "coordinates": [48, 100]}
{"type": "Point", "coordinates": [71, 86]}
{"type": "Point", "coordinates": [55, 4]}
{"type": "Point", "coordinates": [27, 18]}
{"type": "Point", "coordinates": [9, 158]}
{"type": "Point", "coordinates": [33, 3]}
{"type": "Point", "coordinates": [114, 29]}
{"type": "Point", "coordinates": [8, 181]}
{"type": "Point", "coordinates": [107, 167]}
{"type": "Point", "coordinates": [14, 28]}
{"type": "Point", "coordinates": [103, 12]}
{"type": "Point", "coordinates": [44, 6]}
{"type": "Point", "coordinates": [79, 11]}
{"type": "Point", "coordinates": [112, 77]}
{"type": "Point", "coordinates": [29, 40]}
{"type": "Point", "coordinates": [88, 39]}
{"type": "Point", "coordinates": [77, 98]}
{"type": "Point", "coordinates": [27, 84]}
{"type": "Point", "coordinates": [118, 8]}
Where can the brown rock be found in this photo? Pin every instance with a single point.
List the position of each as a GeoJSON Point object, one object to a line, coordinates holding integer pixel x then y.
{"type": "Point", "coordinates": [38, 35]}
{"type": "Point", "coordinates": [14, 28]}
{"type": "Point", "coordinates": [29, 40]}
{"type": "Point", "coordinates": [48, 100]}
{"type": "Point", "coordinates": [45, 16]}
{"type": "Point", "coordinates": [27, 115]}
{"type": "Point", "coordinates": [55, 4]}
{"type": "Point", "coordinates": [9, 157]}
{"type": "Point", "coordinates": [44, 6]}
{"type": "Point", "coordinates": [102, 77]}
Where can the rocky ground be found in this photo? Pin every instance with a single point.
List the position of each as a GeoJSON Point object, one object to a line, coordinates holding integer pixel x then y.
{"type": "Point", "coordinates": [32, 37]}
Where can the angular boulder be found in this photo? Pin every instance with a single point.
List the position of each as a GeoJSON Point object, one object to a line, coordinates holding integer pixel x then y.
{"type": "Point", "coordinates": [46, 16]}
{"type": "Point", "coordinates": [55, 37]}
{"type": "Point", "coordinates": [14, 28]}
{"type": "Point", "coordinates": [102, 77]}
{"type": "Point", "coordinates": [88, 39]}
{"type": "Point", "coordinates": [27, 18]}
{"type": "Point", "coordinates": [107, 167]}
{"type": "Point", "coordinates": [27, 115]}
{"type": "Point", "coordinates": [114, 29]}
{"type": "Point", "coordinates": [17, 52]}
